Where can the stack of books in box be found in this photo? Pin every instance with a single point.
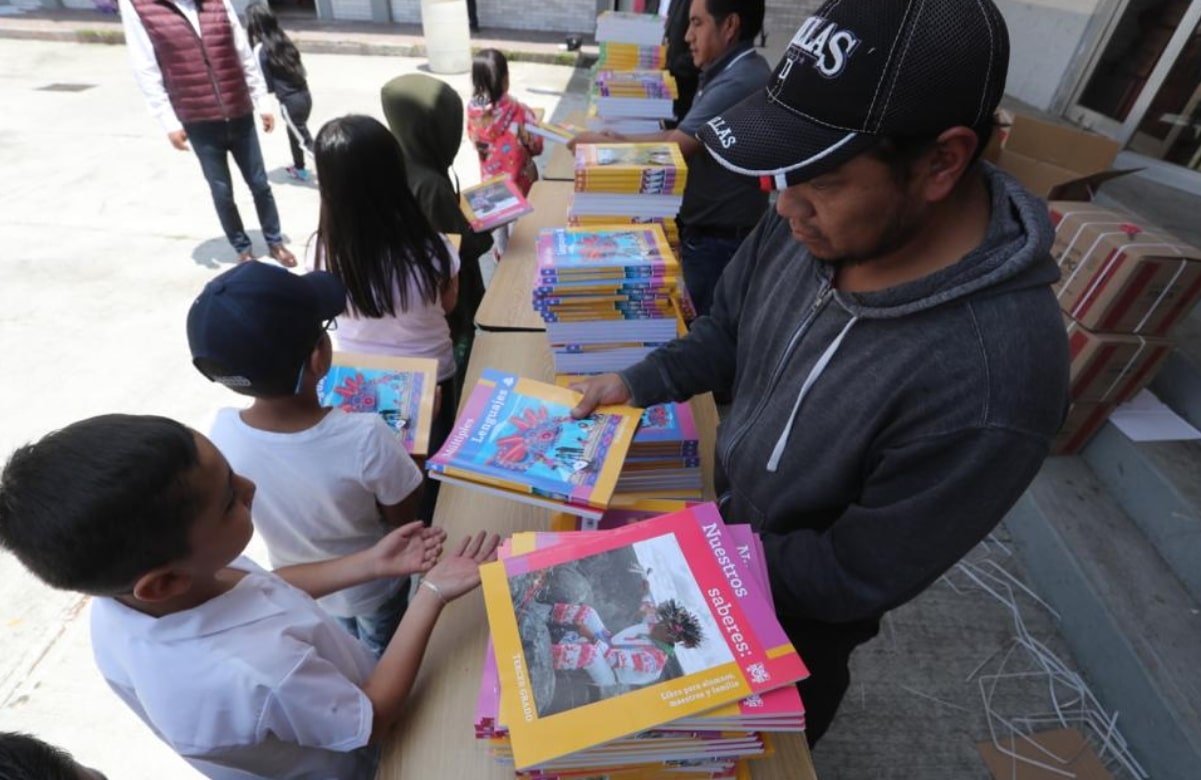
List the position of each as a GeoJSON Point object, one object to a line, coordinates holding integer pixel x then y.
{"type": "Point", "coordinates": [631, 56]}
{"type": "Point", "coordinates": [649, 649]}
{"type": "Point", "coordinates": [605, 295]}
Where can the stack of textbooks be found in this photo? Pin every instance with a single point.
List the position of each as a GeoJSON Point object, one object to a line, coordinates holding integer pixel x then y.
{"type": "Point", "coordinates": [628, 179]}
{"type": "Point", "coordinates": [640, 94]}
{"type": "Point", "coordinates": [493, 202]}
{"type": "Point", "coordinates": [631, 56]}
{"type": "Point", "coordinates": [401, 390]}
{"type": "Point", "coordinates": [647, 649]}
{"type": "Point", "coordinates": [516, 438]}
{"type": "Point", "coordinates": [626, 27]}
{"type": "Point", "coordinates": [605, 295]}
{"type": "Point", "coordinates": [663, 462]}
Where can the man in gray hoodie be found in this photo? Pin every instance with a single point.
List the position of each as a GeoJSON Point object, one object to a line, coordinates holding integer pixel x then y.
{"type": "Point", "coordinates": [897, 359]}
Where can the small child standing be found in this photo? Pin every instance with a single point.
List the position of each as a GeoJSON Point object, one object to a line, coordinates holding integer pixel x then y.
{"type": "Point", "coordinates": [491, 116]}
{"type": "Point", "coordinates": [285, 76]}
{"type": "Point", "coordinates": [401, 275]}
{"type": "Point", "coordinates": [330, 483]}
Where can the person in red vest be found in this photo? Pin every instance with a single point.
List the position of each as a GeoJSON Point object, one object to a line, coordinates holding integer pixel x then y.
{"type": "Point", "coordinates": [202, 83]}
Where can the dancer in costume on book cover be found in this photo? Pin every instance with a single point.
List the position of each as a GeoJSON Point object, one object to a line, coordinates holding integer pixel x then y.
{"type": "Point", "coordinates": [565, 613]}
{"type": "Point", "coordinates": [394, 395]}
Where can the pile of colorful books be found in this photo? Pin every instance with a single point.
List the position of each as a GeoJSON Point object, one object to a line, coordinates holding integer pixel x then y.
{"type": "Point", "coordinates": [627, 27]}
{"type": "Point", "coordinates": [630, 56]}
{"type": "Point", "coordinates": [516, 438]}
{"type": "Point", "coordinates": [605, 294]}
{"type": "Point", "coordinates": [662, 468]}
{"type": "Point", "coordinates": [628, 179]}
{"type": "Point", "coordinates": [637, 94]}
{"type": "Point", "coordinates": [648, 649]}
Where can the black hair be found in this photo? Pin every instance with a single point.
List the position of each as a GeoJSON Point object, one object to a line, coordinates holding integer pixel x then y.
{"type": "Point", "coordinates": [750, 15]}
{"type": "Point", "coordinates": [371, 232]}
{"type": "Point", "coordinates": [900, 153]}
{"type": "Point", "coordinates": [283, 56]}
{"type": "Point", "coordinates": [94, 506]}
{"type": "Point", "coordinates": [680, 624]}
{"type": "Point", "coordinates": [23, 757]}
{"type": "Point", "coordinates": [489, 69]}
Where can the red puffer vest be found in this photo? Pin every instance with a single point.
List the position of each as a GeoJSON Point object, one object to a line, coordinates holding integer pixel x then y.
{"type": "Point", "coordinates": [202, 73]}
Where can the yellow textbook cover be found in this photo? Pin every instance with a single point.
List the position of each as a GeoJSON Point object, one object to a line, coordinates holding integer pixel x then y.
{"type": "Point", "coordinates": [696, 632]}
{"type": "Point", "coordinates": [399, 389]}
{"type": "Point", "coordinates": [517, 434]}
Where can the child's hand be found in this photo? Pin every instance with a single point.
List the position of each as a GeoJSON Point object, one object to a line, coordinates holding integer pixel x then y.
{"type": "Point", "coordinates": [459, 572]}
{"type": "Point", "coordinates": [410, 549]}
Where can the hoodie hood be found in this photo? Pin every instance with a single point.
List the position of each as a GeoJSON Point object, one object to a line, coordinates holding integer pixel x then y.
{"type": "Point", "coordinates": [426, 116]}
{"type": "Point", "coordinates": [1015, 254]}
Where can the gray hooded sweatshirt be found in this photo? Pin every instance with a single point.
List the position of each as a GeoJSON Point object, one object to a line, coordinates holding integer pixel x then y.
{"type": "Point", "coordinates": [875, 438]}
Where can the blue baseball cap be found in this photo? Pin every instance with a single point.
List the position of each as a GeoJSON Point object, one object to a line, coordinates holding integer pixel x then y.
{"type": "Point", "coordinates": [254, 327]}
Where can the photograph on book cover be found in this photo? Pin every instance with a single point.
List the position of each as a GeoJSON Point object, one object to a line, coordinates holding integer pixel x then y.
{"type": "Point", "coordinates": [492, 198]}
{"type": "Point", "coordinates": [394, 395]}
{"type": "Point", "coordinates": [613, 622]}
{"type": "Point", "coordinates": [561, 250]}
{"type": "Point", "coordinates": [634, 154]}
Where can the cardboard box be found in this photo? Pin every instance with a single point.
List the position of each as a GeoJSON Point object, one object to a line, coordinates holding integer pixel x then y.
{"type": "Point", "coordinates": [1120, 276]}
{"type": "Point", "coordinates": [1112, 367]}
{"type": "Point", "coordinates": [1057, 161]}
{"type": "Point", "coordinates": [1083, 421]}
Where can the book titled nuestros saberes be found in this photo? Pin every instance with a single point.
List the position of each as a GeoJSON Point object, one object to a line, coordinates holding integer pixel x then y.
{"type": "Point", "coordinates": [698, 633]}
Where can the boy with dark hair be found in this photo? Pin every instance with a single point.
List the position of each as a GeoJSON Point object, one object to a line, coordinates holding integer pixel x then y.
{"type": "Point", "coordinates": [236, 668]}
{"type": "Point", "coordinates": [329, 482]}
{"type": "Point", "coordinates": [23, 757]}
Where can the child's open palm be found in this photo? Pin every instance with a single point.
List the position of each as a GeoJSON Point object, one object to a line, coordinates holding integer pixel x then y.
{"type": "Point", "coordinates": [410, 549]}
{"type": "Point", "coordinates": [459, 572]}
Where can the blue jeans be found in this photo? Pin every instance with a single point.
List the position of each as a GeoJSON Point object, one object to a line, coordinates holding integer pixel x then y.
{"type": "Point", "coordinates": [704, 257]}
{"type": "Point", "coordinates": [376, 630]}
{"type": "Point", "coordinates": [213, 142]}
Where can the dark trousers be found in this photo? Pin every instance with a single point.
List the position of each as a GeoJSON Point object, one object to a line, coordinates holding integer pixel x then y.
{"type": "Point", "coordinates": [440, 429]}
{"type": "Point", "coordinates": [473, 19]}
{"type": "Point", "coordinates": [213, 142]}
{"type": "Point", "coordinates": [297, 107]}
{"type": "Point", "coordinates": [704, 257]}
{"type": "Point", "coordinates": [826, 649]}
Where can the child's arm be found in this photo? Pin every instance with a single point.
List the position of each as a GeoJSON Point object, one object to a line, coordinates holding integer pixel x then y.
{"type": "Point", "coordinates": [410, 549]}
{"type": "Point", "coordinates": [450, 296]}
{"type": "Point", "coordinates": [390, 683]}
{"type": "Point", "coordinates": [397, 515]}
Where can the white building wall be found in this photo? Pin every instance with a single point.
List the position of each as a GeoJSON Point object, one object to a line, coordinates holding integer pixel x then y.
{"type": "Point", "coordinates": [1049, 43]}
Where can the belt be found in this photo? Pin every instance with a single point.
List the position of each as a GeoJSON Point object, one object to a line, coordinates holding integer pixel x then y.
{"type": "Point", "coordinates": [718, 231]}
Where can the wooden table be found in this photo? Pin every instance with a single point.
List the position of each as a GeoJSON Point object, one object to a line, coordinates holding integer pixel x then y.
{"type": "Point", "coordinates": [434, 739]}
{"type": "Point", "coordinates": [507, 301]}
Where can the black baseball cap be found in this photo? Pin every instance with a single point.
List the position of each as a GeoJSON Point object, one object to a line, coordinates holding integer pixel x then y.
{"type": "Point", "coordinates": [858, 70]}
{"type": "Point", "coordinates": [254, 327]}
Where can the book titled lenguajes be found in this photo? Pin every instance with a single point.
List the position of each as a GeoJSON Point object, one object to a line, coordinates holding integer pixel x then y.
{"type": "Point", "coordinates": [399, 389]}
{"type": "Point", "coordinates": [656, 621]}
{"type": "Point", "coordinates": [516, 437]}
{"type": "Point", "coordinates": [493, 202]}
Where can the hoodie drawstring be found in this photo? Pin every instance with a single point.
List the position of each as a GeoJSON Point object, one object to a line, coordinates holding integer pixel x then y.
{"type": "Point", "coordinates": [778, 451]}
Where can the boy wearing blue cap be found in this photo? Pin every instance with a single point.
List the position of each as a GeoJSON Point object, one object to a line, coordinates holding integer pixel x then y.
{"type": "Point", "coordinates": [329, 482]}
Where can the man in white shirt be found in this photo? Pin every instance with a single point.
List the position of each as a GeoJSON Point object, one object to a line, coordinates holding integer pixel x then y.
{"type": "Point", "coordinates": [201, 82]}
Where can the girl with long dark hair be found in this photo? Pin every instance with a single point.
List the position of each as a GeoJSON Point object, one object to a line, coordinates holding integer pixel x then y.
{"type": "Point", "coordinates": [401, 275]}
{"type": "Point", "coordinates": [285, 76]}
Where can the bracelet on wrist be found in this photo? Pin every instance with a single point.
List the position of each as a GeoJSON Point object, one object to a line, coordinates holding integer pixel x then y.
{"type": "Point", "coordinates": [435, 590]}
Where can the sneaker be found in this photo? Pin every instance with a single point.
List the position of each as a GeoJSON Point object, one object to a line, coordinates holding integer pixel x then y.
{"type": "Point", "coordinates": [301, 174]}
